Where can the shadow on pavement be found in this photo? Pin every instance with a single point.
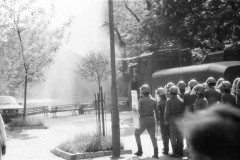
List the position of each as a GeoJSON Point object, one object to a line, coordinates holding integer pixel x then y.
{"type": "Point", "coordinates": [19, 135]}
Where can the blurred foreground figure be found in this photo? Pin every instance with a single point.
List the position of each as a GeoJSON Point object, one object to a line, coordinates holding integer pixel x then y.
{"type": "Point", "coordinates": [213, 133]}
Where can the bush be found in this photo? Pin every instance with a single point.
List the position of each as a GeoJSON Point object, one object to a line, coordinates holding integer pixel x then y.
{"type": "Point", "coordinates": [27, 122]}
{"type": "Point", "coordinates": [87, 142]}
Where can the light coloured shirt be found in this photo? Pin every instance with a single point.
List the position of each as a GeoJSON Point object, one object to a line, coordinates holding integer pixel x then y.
{"type": "Point", "coordinates": [147, 107]}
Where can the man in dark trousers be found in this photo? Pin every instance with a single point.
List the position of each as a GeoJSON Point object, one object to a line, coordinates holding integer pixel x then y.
{"type": "Point", "coordinates": [147, 108]}
{"type": "Point", "coordinates": [188, 98]}
{"type": "Point", "coordinates": [164, 127]}
{"type": "Point", "coordinates": [173, 113]}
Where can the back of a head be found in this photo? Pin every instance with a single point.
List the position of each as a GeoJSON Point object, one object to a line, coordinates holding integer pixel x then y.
{"type": "Point", "coordinates": [192, 83]}
{"type": "Point", "coordinates": [161, 91]}
{"type": "Point", "coordinates": [181, 85]}
{"type": "Point", "coordinates": [198, 89]}
{"type": "Point", "coordinates": [173, 90]}
{"type": "Point", "coordinates": [214, 133]}
{"type": "Point", "coordinates": [211, 82]}
{"type": "Point", "coordinates": [145, 90]}
{"type": "Point", "coordinates": [219, 81]}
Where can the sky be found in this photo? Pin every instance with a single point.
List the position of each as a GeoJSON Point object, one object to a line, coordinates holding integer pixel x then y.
{"type": "Point", "coordinates": [88, 17]}
{"type": "Point", "coordinates": [86, 34]}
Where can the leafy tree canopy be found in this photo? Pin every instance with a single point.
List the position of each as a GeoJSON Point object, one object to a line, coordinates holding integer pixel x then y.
{"type": "Point", "coordinates": [94, 67]}
{"type": "Point", "coordinates": [193, 23]}
{"type": "Point", "coordinates": [28, 42]}
{"type": "Point", "coordinates": [212, 24]}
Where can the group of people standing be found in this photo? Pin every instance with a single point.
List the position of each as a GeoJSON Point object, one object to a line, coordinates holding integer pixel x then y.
{"type": "Point", "coordinates": [171, 104]}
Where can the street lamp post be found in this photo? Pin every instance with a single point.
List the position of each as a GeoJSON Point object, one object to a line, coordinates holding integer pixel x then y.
{"type": "Point", "coordinates": [114, 98]}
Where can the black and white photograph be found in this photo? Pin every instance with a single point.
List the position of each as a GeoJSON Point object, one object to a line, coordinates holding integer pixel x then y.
{"type": "Point", "coordinates": [120, 79]}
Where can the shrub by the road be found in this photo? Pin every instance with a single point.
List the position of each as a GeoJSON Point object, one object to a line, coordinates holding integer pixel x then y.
{"type": "Point", "coordinates": [27, 122]}
{"type": "Point", "coordinates": [87, 142]}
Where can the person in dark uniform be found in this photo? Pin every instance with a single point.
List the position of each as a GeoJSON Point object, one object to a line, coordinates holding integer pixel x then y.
{"type": "Point", "coordinates": [147, 109]}
{"type": "Point", "coordinates": [164, 127]}
{"type": "Point", "coordinates": [218, 84]}
{"type": "Point", "coordinates": [227, 96]}
{"type": "Point", "coordinates": [188, 98]}
{"type": "Point", "coordinates": [181, 85]}
{"type": "Point", "coordinates": [201, 102]}
{"type": "Point", "coordinates": [173, 113]}
{"type": "Point", "coordinates": [212, 94]}
{"type": "Point", "coordinates": [167, 87]}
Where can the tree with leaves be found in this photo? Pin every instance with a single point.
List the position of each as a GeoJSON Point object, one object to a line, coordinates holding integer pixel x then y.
{"type": "Point", "coordinates": [193, 23]}
{"type": "Point", "coordinates": [30, 43]}
{"type": "Point", "coordinates": [94, 67]}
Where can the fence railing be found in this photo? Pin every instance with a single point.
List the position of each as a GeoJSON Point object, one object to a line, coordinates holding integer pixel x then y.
{"type": "Point", "coordinates": [34, 110]}
{"type": "Point", "coordinates": [59, 108]}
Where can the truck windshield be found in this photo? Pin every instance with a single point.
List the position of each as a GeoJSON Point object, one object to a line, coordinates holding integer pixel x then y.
{"type": "Point", "coordinates": [7, 101]}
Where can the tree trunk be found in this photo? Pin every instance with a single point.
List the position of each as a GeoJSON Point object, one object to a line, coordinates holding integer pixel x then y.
{"type": "Point", "coordinates": [25, 95]}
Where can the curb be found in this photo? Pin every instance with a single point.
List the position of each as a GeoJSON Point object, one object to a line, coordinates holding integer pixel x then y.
{"type": "Point", "coordinates": [25, 128]}
{"type": "Point", "coordinates": [69, 156]}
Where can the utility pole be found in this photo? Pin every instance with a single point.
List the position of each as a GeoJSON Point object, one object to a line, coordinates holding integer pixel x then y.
{"type": "Point", "coordinates": [114, 98]}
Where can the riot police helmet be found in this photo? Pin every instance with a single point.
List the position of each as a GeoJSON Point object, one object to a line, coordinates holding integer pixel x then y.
{"type": "Point", "coordinates": [226, 85]}
{"type": "Point", "coordinates": [170, 84]}
{"type": "Point", "coordinates": [219, 81]}
{"type": "Point", "coordinates": [181, 85]}
{"type": "Point", "coordinates": [144, 89]}
{"type": "Point", "coordinates": [173, 90]}
{"type": "Point", "coordinates": [211, 81]}
{"type": "Point", "coordinates": [192, 83]}
{"type": "Point", "coordinates": [161, 91]}
{"type": "Point", "coordinates": [199, 89]}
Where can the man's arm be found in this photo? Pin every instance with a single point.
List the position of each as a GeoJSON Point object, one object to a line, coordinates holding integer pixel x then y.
{"type": "Point", "coordinates": [140, 107]}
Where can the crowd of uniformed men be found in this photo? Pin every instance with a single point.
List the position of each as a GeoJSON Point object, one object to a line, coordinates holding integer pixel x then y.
{"type": "Point", "coordinates": [175, 100]}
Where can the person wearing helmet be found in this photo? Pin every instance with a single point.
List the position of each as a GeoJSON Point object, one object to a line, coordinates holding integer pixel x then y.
{"type": "Point", "coordinates": [220, 88]}
{"type": "Point", "coordinates": [234, 86]}
{"type": "Point", "coordinates": [188, 98]}
{"type": "Point", "coordinates": [227, 96]}
{"type": "Point", "coordinates": [147, 108]}
{"type": "Point", "coordinates": [212, 94]}
{"type": "Point", "coordinates": [201, 102]}
{"type": "Point", "coordinates": [167, 87]}
{"type": "Point", "coordinates": [219, 81]}
{"type": "Point", "coordinates": [181, 85]}
{"type": "Point", "coordinates": [164, 127]}
{"type": "Point", "coordinates": [238, 94]}
{"type": "Point", "coordinates": [174, 112]}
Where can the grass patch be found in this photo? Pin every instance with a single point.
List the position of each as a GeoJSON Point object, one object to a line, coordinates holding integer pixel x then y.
{"type": "Point", "coordinates": [87, 142]}
{"type": "Point", "coordinates": [27, 122]}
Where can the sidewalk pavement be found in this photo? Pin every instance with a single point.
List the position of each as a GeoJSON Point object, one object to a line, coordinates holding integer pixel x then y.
{"type": "Point", "coordinates": [36, 144]}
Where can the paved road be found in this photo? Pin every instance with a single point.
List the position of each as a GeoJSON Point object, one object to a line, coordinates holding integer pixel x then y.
{"type": "Point", "coordinates": [36, 144]}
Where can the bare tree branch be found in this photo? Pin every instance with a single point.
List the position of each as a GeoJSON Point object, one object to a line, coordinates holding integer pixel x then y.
{"type": "Point", "coordinates": [130, 10]}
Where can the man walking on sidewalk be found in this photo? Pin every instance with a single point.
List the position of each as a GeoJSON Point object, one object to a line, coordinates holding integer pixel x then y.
{"type": "Point", "coordinates": [147, 108]}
